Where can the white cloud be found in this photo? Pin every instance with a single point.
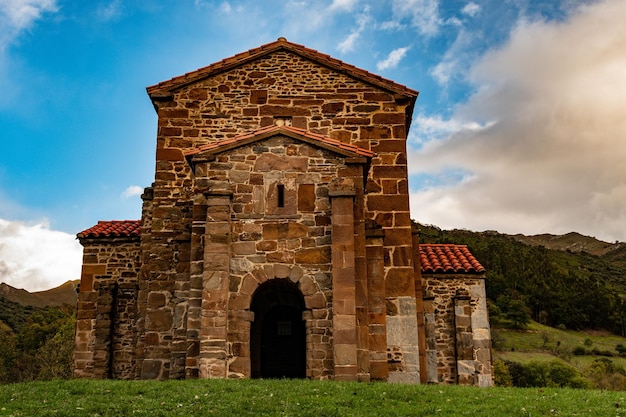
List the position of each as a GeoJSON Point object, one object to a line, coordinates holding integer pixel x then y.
{"type": "Point", "coordinates": [349, 43]}
{"type": "Point", "coordinates": [471, 9]}
{"type": "Point", "coordinates": [17, 16]}
{"type": "Point", "coordinates": [132, 191]}
{"type": "Point", "coordinates": [423, 14]}
{"type": "Point", "coordinates": [458, 56]}
{"type": "Point", "coordinates": [430, 131]}
{"type": "Point", "coordinates": [393, 59]}
{"type": "Point", "coordinates": [548, 152]}
{"type": "Point", "coordinates": [346, 5]}
{"type": "Point", "coordinates": [225, 7]}
{"type": "Point", "coordinates": [36, 258]}
{"type": "Point", "coordinates": [110, 11]}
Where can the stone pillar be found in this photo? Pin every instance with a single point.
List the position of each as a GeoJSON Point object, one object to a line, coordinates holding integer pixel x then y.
{"type": "Point", "coordinates": [239, 325]}
{"type": "Point", "coordinates": [86, 311]}
{"type": "Point", "coordinates": [215, 279]}
{"type": "Point", "coordinates": [103, 331]}
{"type": "Point", "coordinates": [360, 268]}
{"type": "Point", "coordinates": [464, 339]}
{"type": "Point", "coordinates": [481, 332]}
{"type": "Point", "coordinates": [341, 193]}
{"type": "Point", "coordinates": [123, 340]}
{"type": "Point", "coordinates": [430, 334]}
{"type": "Point", "coordinates": [419, 303]}
{"type": "Point", "coordinates": [194, 310]}
{"type": "Point", "coordinates": [379, 369]}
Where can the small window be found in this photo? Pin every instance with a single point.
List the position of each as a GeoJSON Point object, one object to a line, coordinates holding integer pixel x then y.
{"type": "Point", "coordinates": [280, 191]}
{"type": "Point", "coordinates": [282, 121]}
{"type": "Point", "coordinates": [283, 328]}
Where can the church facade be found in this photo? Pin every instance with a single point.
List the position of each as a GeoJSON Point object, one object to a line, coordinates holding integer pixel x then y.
{"type": "Point", "coordinates": [276, 239]}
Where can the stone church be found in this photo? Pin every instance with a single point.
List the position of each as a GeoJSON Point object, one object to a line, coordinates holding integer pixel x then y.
{"type": "Point", "coordinates": [276, 240]}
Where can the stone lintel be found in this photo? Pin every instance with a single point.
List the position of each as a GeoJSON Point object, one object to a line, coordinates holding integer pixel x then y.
{"type": "Point", "coordinates": [356, 160]}
{"type": "Point", "coordinates": [342, 187]}
{"type": "Point", "coordinates": [212, 187]}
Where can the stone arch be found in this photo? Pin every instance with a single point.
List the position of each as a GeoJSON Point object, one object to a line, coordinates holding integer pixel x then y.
{"type": "Point", "coordinates": [315, 314]}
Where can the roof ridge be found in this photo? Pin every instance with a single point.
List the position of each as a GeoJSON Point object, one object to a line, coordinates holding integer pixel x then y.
{"type": "Point", "coordinates": [272, 128]}
{"type": "Point", "coordinates": [280, 43]}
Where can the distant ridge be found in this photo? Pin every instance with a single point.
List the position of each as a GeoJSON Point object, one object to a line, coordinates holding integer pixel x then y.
{"type": "Point", "coordinates": [63, 294]}
{"type": "Point", "coordinates": [572, 242]}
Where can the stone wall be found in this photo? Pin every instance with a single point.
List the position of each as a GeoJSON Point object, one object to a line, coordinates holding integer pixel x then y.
{"type": "Point", "coordinates": [267, 240]}
{"type": "Point", "coordinates": [281, 88]}
{"type": "Point", "coordinates": [458, 335]}
{"type": "Point", "coordinates": [106, 310]}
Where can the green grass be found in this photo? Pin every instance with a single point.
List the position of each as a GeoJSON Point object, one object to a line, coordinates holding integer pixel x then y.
{"type": "Point", "coordinates": [296, 398]}
{"type": "Point", "coordinates": [538, 337]}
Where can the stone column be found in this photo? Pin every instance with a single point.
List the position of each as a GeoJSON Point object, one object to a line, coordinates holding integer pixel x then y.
{"type": "Point", "coordinates": [194, 311]}
{"type": "Point", "coordinates": [464, 339]}
{"type": "Point", "coordinates": [379, 369]}
{"type": "Point", "coordinates": [430, 333]}
{"type": "Point", "coordinates": [481, 334]}
{"type": "Point", "coordinates": [215, 279]}
{"type": "Point", "coordinates": [104, 329]}
{"type": "Point", "coordinates": [419, 303]}
{"type": "Point", "coordinates": [341, 193]}
{"type": "Point", "coordinates": [86, 312]}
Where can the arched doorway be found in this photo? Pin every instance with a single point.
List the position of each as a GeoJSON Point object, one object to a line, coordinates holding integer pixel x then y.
{"type": "Point", "coordinates": [277, 335]}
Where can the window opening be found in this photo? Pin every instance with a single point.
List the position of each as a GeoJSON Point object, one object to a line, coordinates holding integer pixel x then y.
{"type": "Point", "coordinates": [282, 121]}
{"type": "Point", "coordinates": [280, 189]}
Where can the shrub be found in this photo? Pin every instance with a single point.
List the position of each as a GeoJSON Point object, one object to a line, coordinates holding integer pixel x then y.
{"type": "Point", "coordinates": [604, 374]}
{"type": "Point", "coordinates": [501, 375]}
{"type": "Point", "coordinates": [579, 351]}
{"type": "Point", "coordinates": [545, 374]}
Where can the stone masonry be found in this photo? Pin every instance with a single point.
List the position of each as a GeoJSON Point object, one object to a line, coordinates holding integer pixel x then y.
{"type": "Point", "coordinates": [276, 239]}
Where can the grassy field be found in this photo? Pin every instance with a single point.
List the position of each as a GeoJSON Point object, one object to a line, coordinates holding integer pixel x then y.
{"type": "Point", "coordinates": [296, 398]}
{"type": "Point", "coordinates": [538, 342]}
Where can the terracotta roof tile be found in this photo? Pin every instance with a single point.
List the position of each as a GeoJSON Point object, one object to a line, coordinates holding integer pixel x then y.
{"type": "Point", "coordinates": [440, 258]}
{"type": "Point", "coordinates": [280, 44]}
{"type": "Point", "coordinates": [268, 131]}
{"type": "Point", "coordinates": [112, 228]}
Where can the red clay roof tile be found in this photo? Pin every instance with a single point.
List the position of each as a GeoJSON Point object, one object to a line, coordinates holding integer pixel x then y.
{"type": "Point", "coordinates": [268, 131]}
{"type": "Point", "coordinates": [112, 228]}
{"type": "Point", "coordinates": [448, 258]}
{"type": "Point", "coordinates": [168, 86]}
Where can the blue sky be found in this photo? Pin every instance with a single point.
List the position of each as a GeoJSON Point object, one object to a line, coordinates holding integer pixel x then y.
{"type": "Point", "coordinates": [519, 126]}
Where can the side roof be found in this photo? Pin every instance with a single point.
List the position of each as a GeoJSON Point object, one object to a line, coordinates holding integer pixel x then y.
{"type": "Point", "coordinates": [448, 259]}
{"type": "Point", "coordinates": [112, 228]}
{"type": "Point", "coordinates": [166, 88]}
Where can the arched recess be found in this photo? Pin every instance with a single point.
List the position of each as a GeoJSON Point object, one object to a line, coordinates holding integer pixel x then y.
{"type": "Point", "coordinates": [278, 334]}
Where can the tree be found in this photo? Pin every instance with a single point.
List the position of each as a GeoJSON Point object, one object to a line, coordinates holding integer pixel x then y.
{"type": "Point", "coordinates": [518, 314]}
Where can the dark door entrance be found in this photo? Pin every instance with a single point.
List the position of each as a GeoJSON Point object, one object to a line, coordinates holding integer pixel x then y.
{"type": "Point", "coordinates": [278, 337]}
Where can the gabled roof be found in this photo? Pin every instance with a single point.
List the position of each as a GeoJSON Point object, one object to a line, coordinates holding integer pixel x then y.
{"type": "Point", "coordinates": [165, 88]}
{"type": "Point", "coordinates": [112, 228]}
{"type": "Point", "coordinates": [448, 258]}
{"type": "Point", "coordinates": [302, 135]}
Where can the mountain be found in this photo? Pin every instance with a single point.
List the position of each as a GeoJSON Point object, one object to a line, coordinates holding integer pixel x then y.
{"type": "Point", "coordinates": [572, 242]}
{"type": "Point", "coordinates": [63, 294]}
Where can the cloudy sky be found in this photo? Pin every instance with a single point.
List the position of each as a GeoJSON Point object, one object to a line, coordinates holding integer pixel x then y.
{"type": "Point", "coordinates": [519, 127]}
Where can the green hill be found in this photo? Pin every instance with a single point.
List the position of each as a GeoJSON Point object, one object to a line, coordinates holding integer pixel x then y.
{"type": "Point", "coordinates": [570, 281]}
